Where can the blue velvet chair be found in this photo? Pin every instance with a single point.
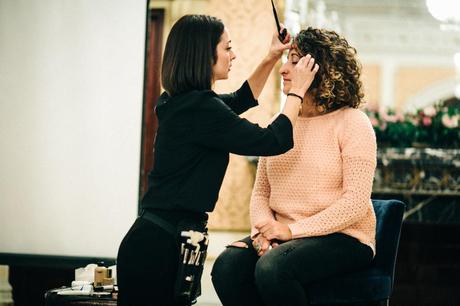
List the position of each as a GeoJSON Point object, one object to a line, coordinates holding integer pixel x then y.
{"type": "Point", "coordinates": [373, 285]}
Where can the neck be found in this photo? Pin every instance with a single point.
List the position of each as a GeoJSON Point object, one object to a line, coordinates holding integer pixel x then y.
{"type": "Point", "coordinates": [309, 108]}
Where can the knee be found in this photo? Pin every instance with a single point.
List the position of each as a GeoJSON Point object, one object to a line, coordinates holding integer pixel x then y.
{"type": "Point", "coordinates": [222, 264]}
{"type": "Point", "coordinates": [226, 264]}
{"type": "Point", "coordinates": [267, 274]}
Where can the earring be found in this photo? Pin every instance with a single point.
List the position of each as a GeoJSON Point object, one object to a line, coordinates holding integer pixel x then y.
{"type": "Point", "coordinates": [321, 108]}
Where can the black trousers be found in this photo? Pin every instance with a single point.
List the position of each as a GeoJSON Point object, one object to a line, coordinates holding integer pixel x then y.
{"type": "Point", "coordinates": [146, 266]}
{"type": "Point", "coordinates": [280, 276]}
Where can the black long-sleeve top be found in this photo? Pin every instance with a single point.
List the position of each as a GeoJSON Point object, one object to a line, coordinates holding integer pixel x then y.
{"type": "Point", "coordinates": [197, 131]}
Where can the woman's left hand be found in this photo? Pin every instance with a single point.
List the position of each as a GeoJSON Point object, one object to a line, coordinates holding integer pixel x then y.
{"type": "Point", "coordinates": [277, 47]}
{"type": "Point", "coordinates": [273, 229]}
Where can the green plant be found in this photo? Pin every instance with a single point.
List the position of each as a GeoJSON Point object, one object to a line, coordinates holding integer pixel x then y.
{"type": "Point", "coordinates": [434, 126]}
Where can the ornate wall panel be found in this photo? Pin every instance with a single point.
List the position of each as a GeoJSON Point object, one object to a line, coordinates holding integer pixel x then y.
{"type": "Point", "coordinates": [250, 24]}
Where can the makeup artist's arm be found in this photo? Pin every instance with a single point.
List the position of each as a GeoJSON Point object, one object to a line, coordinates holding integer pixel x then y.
{"type": "Point", "coordinates": [259, 77]}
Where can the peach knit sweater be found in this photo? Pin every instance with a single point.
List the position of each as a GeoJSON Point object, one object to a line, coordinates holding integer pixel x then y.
{"type": "Point", "coordinates": [323, 185]}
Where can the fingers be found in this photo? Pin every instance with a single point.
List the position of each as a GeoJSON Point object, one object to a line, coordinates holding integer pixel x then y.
{"type": "Point", "coordinates": [272, 234]}
{"type": "Point", "coordinates": [286, 41]}
{"type": "Point", "coordinates": [265, 247]}
{"type": "Point", "coordinates": [261, 245]}
{"type": "Point", "coordinates": [286, 46]}
{"type": "Point", "coordinates": [288, 38]}
{"type": "Point", "coordinates": [311, 63]}
{"type": "Point", "coordinates": [269, 231]}
{"type": "Point", "coordinates": [307, 62]}
{"type": "Point", "coordinates": [316, 68]}
{"type": "Point", "coordinates": [261, 224]}
{"type": "Point", "coordinates": [264, 227]}
{"type": "Point", "coordinates": [257, 246]}
{"type": "Point", "coordinates": [304, 74]}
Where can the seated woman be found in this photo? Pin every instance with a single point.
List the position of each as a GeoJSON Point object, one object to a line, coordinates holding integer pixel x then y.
{"type": "Point", "coordinates": [311, 212]}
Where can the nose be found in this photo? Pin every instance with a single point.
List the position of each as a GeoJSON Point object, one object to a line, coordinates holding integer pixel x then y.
{"type": "Point", "coordinates": [232, 55]}
{"type": "Point", "coordinates": [283, 69]}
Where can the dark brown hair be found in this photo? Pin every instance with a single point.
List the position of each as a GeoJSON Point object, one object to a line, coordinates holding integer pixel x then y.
{"type": "Point", "coordinates": [337, 83]}
{"type": "Point", "coordinates": [190, 54]}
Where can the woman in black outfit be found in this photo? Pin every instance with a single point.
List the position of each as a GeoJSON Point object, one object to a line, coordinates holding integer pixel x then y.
{"type": "Point", "coordinates": [197, 130]}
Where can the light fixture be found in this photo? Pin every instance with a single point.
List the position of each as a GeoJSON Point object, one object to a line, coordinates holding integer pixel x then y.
{"type": "Point", "coordinates": [446, 11]}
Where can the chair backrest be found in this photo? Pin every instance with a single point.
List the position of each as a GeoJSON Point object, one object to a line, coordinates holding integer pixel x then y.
{"type": "Point", "coordinates": [389, 215]}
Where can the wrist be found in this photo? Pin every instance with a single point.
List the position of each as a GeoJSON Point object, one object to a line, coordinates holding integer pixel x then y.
{"type": "Point", "coordinates": [272, 57]}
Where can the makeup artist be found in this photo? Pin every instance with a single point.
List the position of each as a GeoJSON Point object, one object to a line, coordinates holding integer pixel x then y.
{"type": "Point", "coordinates": [197, 130]}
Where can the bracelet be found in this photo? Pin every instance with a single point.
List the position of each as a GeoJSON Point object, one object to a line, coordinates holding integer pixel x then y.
{"type": "Point", "coordinates": [295, 95]}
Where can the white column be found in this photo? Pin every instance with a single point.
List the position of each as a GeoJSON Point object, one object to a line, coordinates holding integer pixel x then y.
{"type": "Point", "coordinates": [387, 84]}
{"type": "Point", "coordinates": [6, 297]}
{"type": "Point", "coordinates": [457, 74]}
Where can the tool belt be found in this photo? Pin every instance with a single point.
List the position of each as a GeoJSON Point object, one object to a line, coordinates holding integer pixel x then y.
{"type": "Point", "coordinates": [193, 243]}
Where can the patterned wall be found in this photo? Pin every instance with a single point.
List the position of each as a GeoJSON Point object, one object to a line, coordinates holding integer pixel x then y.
{"type": "Point", "coordinates": [250, 24]}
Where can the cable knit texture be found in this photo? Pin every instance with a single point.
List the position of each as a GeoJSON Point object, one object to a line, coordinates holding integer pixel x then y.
{"type": "Point", "coordinates": [324, 184]}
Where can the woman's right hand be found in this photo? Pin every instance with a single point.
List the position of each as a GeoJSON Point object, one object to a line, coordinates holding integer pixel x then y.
{"type": "Point", "coordinates": [277, 47]}
{"type": "Point", "coordinates": [303, 75]}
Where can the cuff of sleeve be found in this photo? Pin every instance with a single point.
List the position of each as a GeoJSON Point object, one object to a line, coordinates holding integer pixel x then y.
{"type": "Point", "coordinates": [282, 127]}
{"type": "Point", "coordinates": [297, 230]}
{"type": "Point", "coordinates": [245, 94]}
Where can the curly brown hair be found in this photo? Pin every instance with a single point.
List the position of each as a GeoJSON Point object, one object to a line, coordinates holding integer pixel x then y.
{"type": "Point", "coordinates": [337, 83]}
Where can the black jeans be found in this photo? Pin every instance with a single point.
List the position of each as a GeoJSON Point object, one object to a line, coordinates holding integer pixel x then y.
{"type": "Point", "coordinates": [281, 276]}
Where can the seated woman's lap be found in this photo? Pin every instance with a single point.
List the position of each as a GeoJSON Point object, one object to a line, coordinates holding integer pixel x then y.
{"type": "Point", "coordinates": [290, 267]}
{"type": "Point", "coordinates": [311, 259]}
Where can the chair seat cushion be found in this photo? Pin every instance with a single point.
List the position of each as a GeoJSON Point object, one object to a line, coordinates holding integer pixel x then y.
{"type": "Point", "coordinates": [362, 286]}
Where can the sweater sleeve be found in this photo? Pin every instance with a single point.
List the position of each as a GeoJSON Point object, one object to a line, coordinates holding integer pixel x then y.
{"type": "Point", "coordinates": [240, 100]}
{"type": "Point", "coordinates": [358, 150]}
{"type": "Point", "coordinates": [259, 209]}
{"type": "Point", "coordinates": [218, 127]}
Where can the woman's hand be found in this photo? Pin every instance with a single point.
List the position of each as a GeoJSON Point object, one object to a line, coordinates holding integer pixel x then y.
{"type": "Point", "coordinates": [277, 47]}
{"type": "Point", "coordinates": [261, 244]}
{"type": "Point", "coordinates": [303, 75]}
{"type": "Point", "coordinates": [273, 229]}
